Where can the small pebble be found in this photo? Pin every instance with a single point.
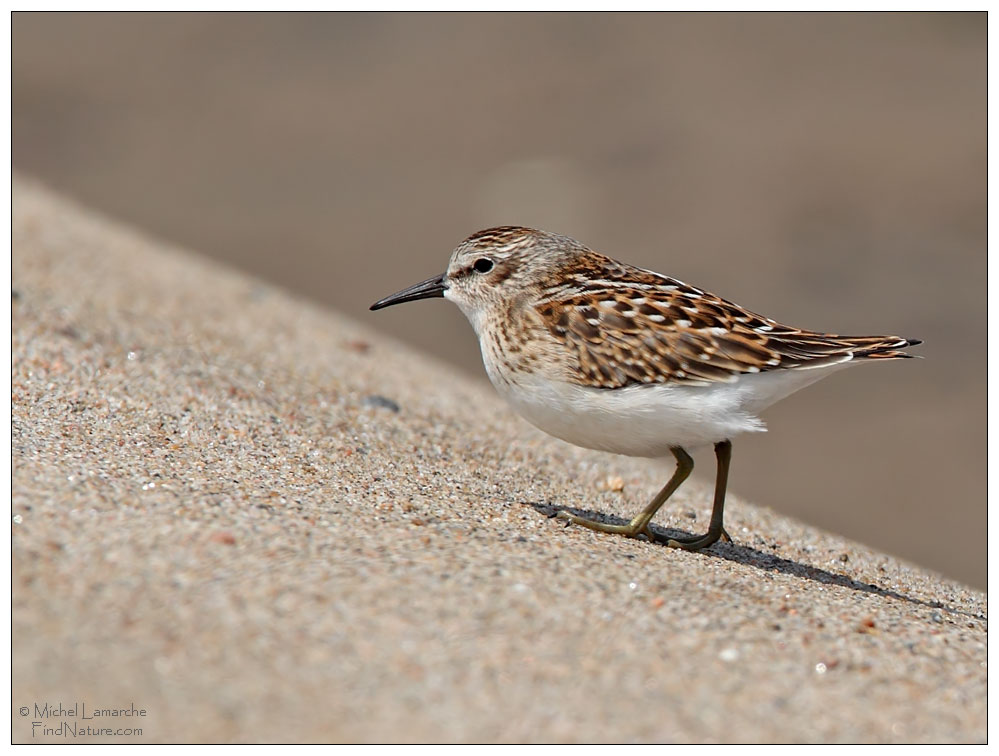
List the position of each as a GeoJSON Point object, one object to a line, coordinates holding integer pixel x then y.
{"type": "Point", "coordinates": [375, 400]}
{"type": "Point", "coordinates": [357, 345]}
{"type": "Point", "coordinates": [611, 483]}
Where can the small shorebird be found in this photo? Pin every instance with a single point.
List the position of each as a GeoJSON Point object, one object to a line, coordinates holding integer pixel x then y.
{"type": "Point", "coordinates": [608, 356]}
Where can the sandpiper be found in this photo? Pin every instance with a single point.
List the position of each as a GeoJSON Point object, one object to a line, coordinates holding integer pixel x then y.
{"type": "Point", "coordinates": [608, 356]}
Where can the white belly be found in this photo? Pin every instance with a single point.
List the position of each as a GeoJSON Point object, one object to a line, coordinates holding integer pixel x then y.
{"type": "Point", "coordinates": [645, 421]}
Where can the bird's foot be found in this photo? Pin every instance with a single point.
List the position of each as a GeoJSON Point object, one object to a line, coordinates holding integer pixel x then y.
{"type": "Point", "coordinates": [695, 543]}
{"type": "Point", "coordinates": [633, 529]}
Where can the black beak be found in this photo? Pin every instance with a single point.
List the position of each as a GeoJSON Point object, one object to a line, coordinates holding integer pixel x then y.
{"type": "Point", "coordinates": [432, 287]}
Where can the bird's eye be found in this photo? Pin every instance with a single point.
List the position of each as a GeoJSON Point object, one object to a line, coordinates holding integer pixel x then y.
{"type": "Point", "coordinates": [483, 265]}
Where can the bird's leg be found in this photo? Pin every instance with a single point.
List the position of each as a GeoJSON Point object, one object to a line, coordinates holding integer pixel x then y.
{"type": "Point", "coordinates": [723, 453]}
{"type": "Point", "coordinates": [640, 523]}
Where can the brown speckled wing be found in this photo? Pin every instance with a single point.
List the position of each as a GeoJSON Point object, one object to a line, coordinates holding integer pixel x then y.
{"type": "Point", "coordinates": [627, 326]}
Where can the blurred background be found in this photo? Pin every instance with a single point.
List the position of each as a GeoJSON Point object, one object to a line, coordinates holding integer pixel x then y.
{"type": "Point", "coordinates": [826, 170]}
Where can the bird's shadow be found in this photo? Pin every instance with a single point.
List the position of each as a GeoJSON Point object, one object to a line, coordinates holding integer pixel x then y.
{"type": "Point", "coordinates": [742, 554]}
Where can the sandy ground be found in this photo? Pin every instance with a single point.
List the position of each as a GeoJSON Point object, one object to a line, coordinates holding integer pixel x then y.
{"type": "Point", "coordinates": [253, 520]}
{"type": "Point", "coordinates": [827, 170]}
